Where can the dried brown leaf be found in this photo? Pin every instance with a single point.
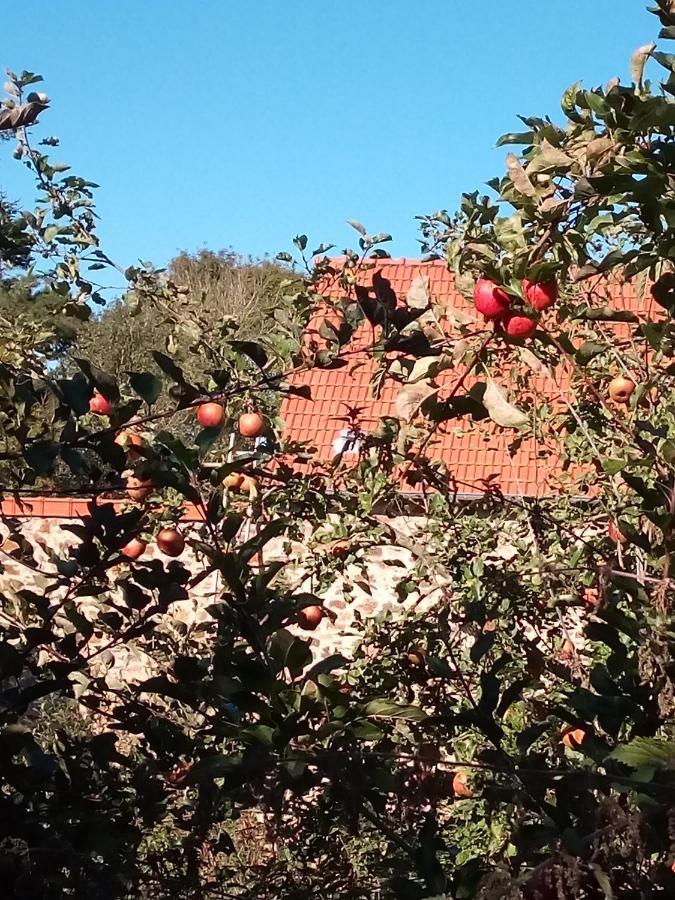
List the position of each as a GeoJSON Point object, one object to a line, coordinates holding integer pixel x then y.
{"type": "Point", "coordinates": [519, 177]}
{"type": "Point", "coordinates": [500, 410]}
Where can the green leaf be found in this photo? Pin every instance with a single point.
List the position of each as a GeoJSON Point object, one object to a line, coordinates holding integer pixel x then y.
{"type": "Point", "coordinates": [322, 248]}
{"type": "Point", "coordinates": [587, 351]}
{"type": "Point", "coordinates": [289, 652]}
{"type": "Point", "coordinates": [187, 456]}
{"type": "Point", "coordinates": [258, 734]}
{"type": "Point", "coordinates": [76, 392]}
{"type": "Point", "coordinates": [253, 350]}
{"type": "Point", "coordinates": [213, 767]}
{"type": "Point", "coordinates": [146, 385]}
{"type": "Point", "coordinates": [568, 103]}
{"type": "Point", "coordinates": [612, 466]}
{"type": "Point", "coordinates": [604, 314]}
{"type": "Point", "coordinates": [516, 137]}
{"type": "Point", "coordinates": [366, 731]}
{"type": "Point", "coordinates": [103, 381]}
{"type": "Point", "coordinates": [382, 237]}
{"type": "Point", "coordinates": [482, 645]}
{"type": "Point", "coordinates": [273, 529]}
{"type": "Point", "coordinates": [41, 455]}
{"type": "Point", "coordinates": [230, 526]}
{"type": "Point", "coordinates": [169, 367]}
{"type": "Point", "coordinates": [642, 751]}
{"type": "Point", "coordinates": [388, 709]}
{"type": "Point", "coordinates": [596, 103]}
{"type": "Point", "coordinates": [207, 438]}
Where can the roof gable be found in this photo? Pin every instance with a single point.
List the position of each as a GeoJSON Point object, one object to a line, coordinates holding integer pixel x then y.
{"type": "Point", "coordinates": [476, 454]}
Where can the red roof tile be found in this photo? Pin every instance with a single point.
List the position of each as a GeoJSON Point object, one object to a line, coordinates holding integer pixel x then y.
{"type": "Point", "coordinates": [36, 506]}
{"type": "Point", "coordinates": [475, 453]}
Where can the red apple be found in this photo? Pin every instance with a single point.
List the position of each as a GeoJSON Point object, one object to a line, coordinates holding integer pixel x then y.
{"type": "Point", "coordinates": [621, 389]}
{"type": "Point", "coordinates": [138, 488]}
{"type": "Point", "coordinates": [540, 294]}
{"type": "Point", "coordinates": [210, 415]}
{"type": "Point", "coordinates": [309, 617]}
{"type": "Point", "coordinates": [99, 405]}
{"type": "Point", "coordinates": [170, 541]}
{"type": "Point", "coordinates": [489, 299]}
{"type": "Point", "coordinates": [519, 327]}
{"type": "Point", "coordinates": [340, 549]}
{"type": "Point", "coordinates": [591, 596]}
{"type": "Point", "coordinates": [133, 549]}
{"type": "Point", "coordinates": [461, 787]}
{"type": "Point", "coordinates": [415, 657]}
{"type": "Point", "coordinates": [573, 738]}
{"type": "Point", "coordinates": [251, 425]}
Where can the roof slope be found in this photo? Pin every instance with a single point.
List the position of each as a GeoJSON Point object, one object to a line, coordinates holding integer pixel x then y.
{"type": "Point", "coordinates": [476, 454]}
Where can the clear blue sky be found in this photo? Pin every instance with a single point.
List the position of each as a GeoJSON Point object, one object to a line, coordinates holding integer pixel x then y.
{"type": "Point", "coordinates": [226, 123]}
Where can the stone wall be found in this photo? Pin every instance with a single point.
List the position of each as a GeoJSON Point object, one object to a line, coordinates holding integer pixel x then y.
{"type": "Point", "coordinates": [373, 579]}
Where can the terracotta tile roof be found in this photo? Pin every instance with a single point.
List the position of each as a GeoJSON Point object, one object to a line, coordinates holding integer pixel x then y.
{"type": "Point", "coordinates": [55, 507]}
{"type": "Point", "coordinates": [476, 454]}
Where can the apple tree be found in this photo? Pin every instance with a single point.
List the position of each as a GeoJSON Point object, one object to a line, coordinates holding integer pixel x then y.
{"type": "Point", "coordinates": [512, 734]}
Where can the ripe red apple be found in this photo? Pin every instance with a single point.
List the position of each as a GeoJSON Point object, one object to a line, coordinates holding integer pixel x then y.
{"type": "Point", "coordinates": [233, 481]}
{"type": "Point", "coordinates": [621, 389]}
{"type": "Point", "coordinates": [415, 657]}
{"type": "Point", "coordinates": [138, 488]}
{"type": "Point", "coordinates": [210, 415]}
{"type": "Point", "coordinates": [489, 299]}
{"type": "Point", "coordinates": [98, 404]}
{"type": "Point", "coordinates": [461, 787]}
{"type": "Point", "coordinates": [573, 738]}
{"type": "Point", "coordinates": [519, 327]}
{"type": "Point", "coordinates": [170, 541]}
{"type": "Point", "coordinates": [340, 549]}
{"type": "Point", "coordinates": [540, 294]}
{"type": "Point", "coordinates": [309, 617]}
{"type": "Point", "coordinates": [251, 425]}
{"type": "Point", "coordinates": [591, 596]}
{"type": "Point", "coordinates": [133, 549]}
{"type": "Point", "coordinates": [128, 440]}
